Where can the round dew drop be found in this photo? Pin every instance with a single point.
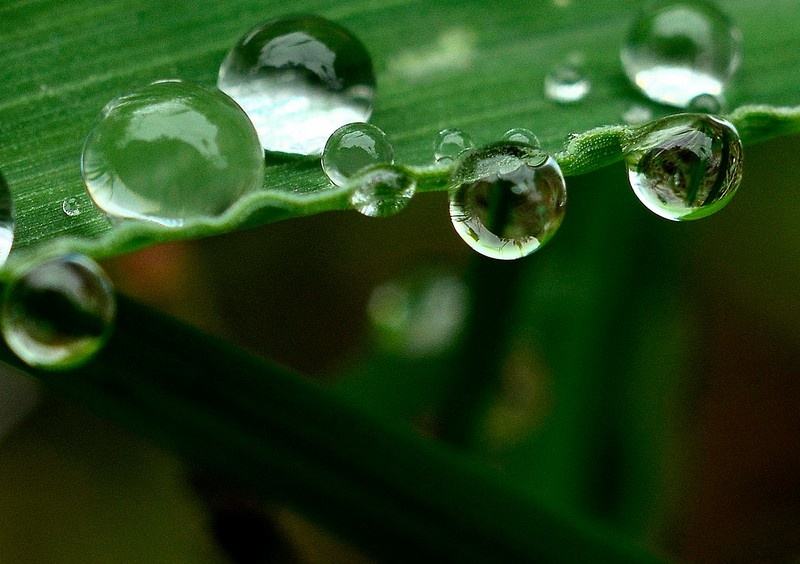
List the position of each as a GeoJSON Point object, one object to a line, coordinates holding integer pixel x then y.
{"type": "Point", "coordinates": [449, 144]}
{"type": "Point", "coordinates": [522, 135]}
{"type": "Point", "coordinates": [706, 104]}
{"type": "Point", "coordinates": [71, 207]}
{"type": "Point", "coordinates": [685, 166]}
{"type": "Point", "coordinates": [299, 79]}
{"type": "Point", "coordinates": [59, 313]}
{"type": "Point", "coordinates": [507, 200]}
{"type": "Point", "coordinates": [680, 49]}
{"type": "Point", "coordinates": [567, 83]}
{"type": "Point", "coordinates": [172, 152]}
{"type": "Point", "coordinates": [382, 190]}
{"type": "Point", "coordinates": [6, 221]}
{"type": "Point", "coordinates": [352, 148]}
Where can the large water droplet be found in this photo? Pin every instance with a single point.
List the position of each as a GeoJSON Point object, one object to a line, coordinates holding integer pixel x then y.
{"type": "Point", "coordinates": [171, 152]}
{"type": "Point", "coordinates": [418, 315]}
{"type": "Point", "coordinates": [449, 144]}
{"type": "Point", "coordinates": [299, 79]}
{"type": "Point", "coordinates": [678, 50]}
{"type": "Point", "coordinates": [58, 314]}
{"type": "Point", "coordinates": [382, 190]}
{"type": "Point", "coordinates": [567, 82]}
{"type": "Point", "coordinates": [521, 135]}
{"type": "Point", "coordinates": [507, 200]}
{"type": "Point", "coordinates": [352, 148]}
{"type": "Point", "coordinates": [685, 166]}
{"type": "Point", "coordinates": [6, 221]}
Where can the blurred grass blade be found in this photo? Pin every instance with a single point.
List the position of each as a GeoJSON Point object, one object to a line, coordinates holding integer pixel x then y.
{"type": "Point", "coordinates": [402, 497]}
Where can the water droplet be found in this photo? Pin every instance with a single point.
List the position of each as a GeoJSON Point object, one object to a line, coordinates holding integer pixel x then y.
{"type": "Point", "coordinates": [171, 152]}
{"type": "Point", "coordinates": [71, 207]}
{"type": "Point", "coordinates": [637, 115]}
{"type": "Point", "coordinates": [382, 190]}
{"type": "Point", "coordinates": [706, 104]}
{"type": "Point", "coordinates": [522, 135]}
{"type": "Point", "coordinates": [6, 221]}
{"type": "Point", "coordinates": [418, 315]}
{"type": "Point", "coordinates": [299, 79]}
{"type": "Point", "coordinates": [507, 200]}
{"type": "Point", "coordinates": [58, 314]}
{"type": "Point", "coordinates": [685, 166]}
{"type": "Point", "coordinates": [449, 144]}
{"type": "Point", "coordinates": [567, 83]}
{"type": "Point", "coordinates": [678, 50]}
{"type": "Point", "coordinates": [352, 148]}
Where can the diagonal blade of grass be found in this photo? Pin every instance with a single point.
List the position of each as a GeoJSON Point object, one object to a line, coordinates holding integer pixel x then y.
{"type": "Point", "coordinates": [397, 494]}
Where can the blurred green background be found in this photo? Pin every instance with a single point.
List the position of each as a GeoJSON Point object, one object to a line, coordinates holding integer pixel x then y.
{"type": "Point", "coordinates": [648, 375]}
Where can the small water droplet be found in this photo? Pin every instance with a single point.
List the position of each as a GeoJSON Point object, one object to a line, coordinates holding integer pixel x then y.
{"type": "Point", "coordinates": [522, 135]}
{"type": "Point", "coordinates": [352, 148]}
{"type": "Point", "coordinates": [637, 115]}
{"type": "Point", "coordinates": [171, 153]}
{"type": "Point", "coordinates": [680, 49]}
{"type": "Point", "coordinates": [59, 313]}
{"type": "Point", "coordinates": [706, 104]}
{"type": "Point", "coordinates": [6, 221]}
{"type": "Point", "coordinates": [382, 190]}
{"type": "Point", "coordinates": [299, 79]}
{"type": "Point", "coordinates": [71, 207]}
{"type": "Point", "coordinates": [449, 144]}
{"type": "Point", "coordinates": [418, 315]}
{"type": "Point", "coordinates": [507, 200]}
{"type": "Point", "coordinates": [685, 166]}
{"type": "Point", "coordinates": [567, 82]}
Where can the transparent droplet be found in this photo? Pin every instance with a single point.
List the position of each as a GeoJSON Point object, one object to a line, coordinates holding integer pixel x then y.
{"type": "Point", "coordinates": [449, 144]}
{"type": "Point", "coordinates": [6, 221]}
{"type": "Point", "coordinates": [567, 82]}
{"type": "Point", "coordinates": [637, 115]}
{"type": "Point", "coordinates": [507, 200]}
{"type": "Point", "coordinates": [382, 190]}
{"type": "Point", "coordinates": [677, 50]}
{"type": "Point", "coordinates": [352, 148]}
{"type": "Point", "coordinates": [71, 207]}
{"type": "Point", "coordinates": [299, 79]}
{"type": "Point", "coordinates": [418, 315]}
{"type": "Point", "coordinates": [59, 313]}
{"type": "Point", "coordinates": [706, 104]}
{"type": "Point", "coordinates": [685, 166]}
{"type": "Point", "coordinates": [172, 152]}
{"type": "Point", "coordinates": [522, 135]}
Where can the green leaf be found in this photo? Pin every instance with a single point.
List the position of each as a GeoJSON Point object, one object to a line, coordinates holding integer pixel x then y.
{"type": "Point", "coordinates": [402, 497]}
{"type": "Point", "coordinates": [440, 64]}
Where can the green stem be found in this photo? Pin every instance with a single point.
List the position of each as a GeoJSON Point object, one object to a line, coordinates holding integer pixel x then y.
{"type": "Point", "coordinates": [396, 494]}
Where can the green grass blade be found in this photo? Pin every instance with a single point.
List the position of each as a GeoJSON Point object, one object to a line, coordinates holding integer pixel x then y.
{"type": "Point", "coordinates": [440, 64]}
{"type": "Point", "coordinates": [401, 496]}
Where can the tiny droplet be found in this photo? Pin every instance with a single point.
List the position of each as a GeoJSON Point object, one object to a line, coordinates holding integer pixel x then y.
{"type": "Point", "coordinates": [567, 82]}
{"type": "Point", "coordinates": [6, 221]}
{"type": "Point", "coordinates": [522, 135]}
{"type": "Point", "coordinates": [449, 144]}
{"type": "Point", "coordinates": [71, 207]}
{"type": "Point", "coordinates": [382, 190]}
{"type": "Point", "coordinates": [352, 148]}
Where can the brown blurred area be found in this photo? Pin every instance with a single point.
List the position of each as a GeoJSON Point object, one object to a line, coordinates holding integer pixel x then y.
{"type": "Point", "coordinates": [297, 292]}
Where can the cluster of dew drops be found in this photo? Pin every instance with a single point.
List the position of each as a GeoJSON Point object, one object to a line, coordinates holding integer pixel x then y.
{"type": "Point", "coordinates": [175, 152]}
